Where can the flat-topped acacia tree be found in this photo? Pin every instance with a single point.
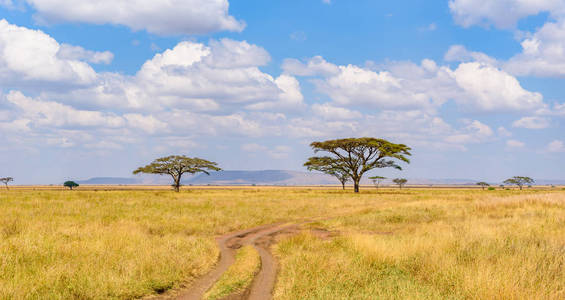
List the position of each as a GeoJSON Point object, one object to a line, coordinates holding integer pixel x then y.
{"type": "Point", "coordinates": [377, 180]}
{"type": "Point", "coordinates": [400, 181]}
{"type": "Point", "coordinates": [70, 184]}
{"type": "Point", "coordinates": [483, 184]}
{"type": "Point", "coordinates": [176, 166]}
{"type": "Point", "coordinates": [520, 181]}
{"type": "Point", "coordinates": [356, 156]}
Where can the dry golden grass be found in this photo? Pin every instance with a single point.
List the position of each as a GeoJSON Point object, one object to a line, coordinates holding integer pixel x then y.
{"type": "Point", "coordinates": [126, 244]}
{"type": "Point", "coordinates": [394, 244]}
{"type": "Point", "coordinates": [434, 245]}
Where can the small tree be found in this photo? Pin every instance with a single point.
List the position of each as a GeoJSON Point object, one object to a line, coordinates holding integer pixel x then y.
{"type": "Point", "coordinates": [520, 181]}
{"type": "Point", "coordinates": [356, 156]}
{"type": "Point", "coordinates": [377, 180]}
{"type": "Point", "coordinates": [328, 166]}
{"type": "Point", "coordinates": [176, 166]}
{"type": "Point", "coordinates": [483, 184]}
{"type": "Point", "coordinates": [400, 181]}
{"type": "Point", "coordinates": [5, 181]}
{"type": "Point", "coordinates": [70, 184]}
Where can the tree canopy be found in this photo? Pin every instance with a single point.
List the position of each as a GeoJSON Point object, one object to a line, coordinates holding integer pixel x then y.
{"type": "Point", "coordinates": [520, 181]}
{"type": "Point", "coordinates": [70, 184]}
{"type": "Point", "coordinates": [483, 184]}
{"type": "Point", "coordinates": [176, 166]}
{"type": "Point", "coordinates": [356, 156]}
{"type": "Point", "coordinates": [377, 180]}
{"type": "Point", "coordinates": [400, 181]}
{"type": "Point", "coordinates": [5, 181]}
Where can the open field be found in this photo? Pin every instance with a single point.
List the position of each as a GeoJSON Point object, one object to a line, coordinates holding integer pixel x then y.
{"type": "Point", "coordinates": [115, 187]}
{"type": "Point", "coordinates": [408, 244]}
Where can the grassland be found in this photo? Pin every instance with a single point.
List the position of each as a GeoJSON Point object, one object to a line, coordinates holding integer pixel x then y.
{"type": "Point", "coordinates": [435, 244]}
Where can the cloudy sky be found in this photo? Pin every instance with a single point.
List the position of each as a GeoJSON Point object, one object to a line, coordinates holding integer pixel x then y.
{"type": "Point", "coordinates": [475, 87]}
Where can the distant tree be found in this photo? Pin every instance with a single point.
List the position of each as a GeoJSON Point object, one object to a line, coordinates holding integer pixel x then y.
{"type": "Point", "coordinates": [70, 184]}
{"type": "Point", "coordinates": [520, 181]}
{"type": "Point", "coordinates": [176, 166]}
{"type": "Point", "coordinates": [483, 184]}
{"type": "Point", "coordinates": [356, 156]}
{"type": "Point", "coordinates": [377, 180]}
{"type": "Point", "coordinates": [5, 181]}
{"type": "Point", "coordinates": [328, 166]}
{"type": "Point", "coordinates": [400, 181]}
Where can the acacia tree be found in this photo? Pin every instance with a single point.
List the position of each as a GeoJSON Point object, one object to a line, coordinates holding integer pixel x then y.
{"type": "Point", "coordinates": [377, 180]}
{"type": "Point", "coordinates": [356, 156]}
{"type": "Point", "coordinates": [520, 181]}
{"type": "Point", "coordinates": [400, 181]}
{"type": "Point", "coordinates": [328, 166]}
{"type": "Point", "coordinates": [483, 184]}
{"type": "Point", "coordinates": [70, 184]}
{"type": "Point", "coordinates": [5, 181]}
{"type": "Point", "coordinates": [176, 166]}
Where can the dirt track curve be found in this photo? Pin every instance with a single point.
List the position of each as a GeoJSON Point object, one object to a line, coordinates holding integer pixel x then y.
{"type": "Point", "coordinates": [261, 238]}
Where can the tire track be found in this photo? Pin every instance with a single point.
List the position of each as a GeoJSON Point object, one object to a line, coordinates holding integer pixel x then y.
{"type": "Point", "coordinates": [228, 244]}
{"type": "Point", "coordinates": [264, 283]}
{"type": "Point", "coordinates": [261, 237]}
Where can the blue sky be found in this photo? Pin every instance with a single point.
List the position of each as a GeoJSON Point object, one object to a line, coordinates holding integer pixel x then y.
{"type": "Point", "coordinates": [474, 87]}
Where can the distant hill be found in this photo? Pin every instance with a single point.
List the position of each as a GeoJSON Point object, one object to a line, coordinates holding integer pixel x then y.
{"type": "Point", "coordinates": [109, 180]}
{"type": "Point", "coordinates": [274, 177]}
{"type": "Point", "coordinates": [267, 177]}
{"type": "Point", "coordinates": [441, 181]}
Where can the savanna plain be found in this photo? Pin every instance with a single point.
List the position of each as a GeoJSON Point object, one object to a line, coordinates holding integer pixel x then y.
{"type": "Point", "coordinates": [385, 244]}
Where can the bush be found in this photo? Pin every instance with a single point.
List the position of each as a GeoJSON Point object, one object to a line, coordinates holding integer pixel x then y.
{"type": "Point", "coordinates": [491, 188]}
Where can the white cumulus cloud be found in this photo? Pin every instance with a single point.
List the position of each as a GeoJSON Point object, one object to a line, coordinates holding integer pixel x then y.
{"type": "Point", "coordinates": [32, 56]}
{"type": "Point", "coordinates": [487, 88]}
{"type": "Point", "coordinates": [500, 13]}
{"type": "Point", "coordinates": [475, 86]}
{"type": "Point", "coordinates": [160, 17]}
{"type": "Point", "coordinates": [543, 53]}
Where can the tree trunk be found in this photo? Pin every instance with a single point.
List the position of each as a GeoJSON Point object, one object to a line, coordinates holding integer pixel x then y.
{"type": "Point", "coordinates": [7, 187]}
{"type": "Point", "coordinates": [343, 185]}
{"type": "Point", "coordinates": [520, 187]}
{"type": "Point", "coordinates": [356, 186]}
{"type": "Point", "coordinates": [177, 183]}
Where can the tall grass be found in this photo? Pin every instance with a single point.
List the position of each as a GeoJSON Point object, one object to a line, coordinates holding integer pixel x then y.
{"type": "Point", "coordinates": [127, 244]}
{"type": "Point", "coordinates": [457, 245]}
{"type": "Point", "coordinates": [394, 244]}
